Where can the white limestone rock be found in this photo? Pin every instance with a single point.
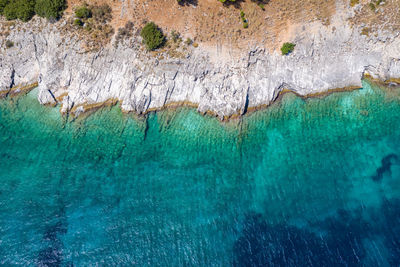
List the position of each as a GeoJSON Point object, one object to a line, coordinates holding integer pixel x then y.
{"type": "Point", "coordinates": [323, 59]}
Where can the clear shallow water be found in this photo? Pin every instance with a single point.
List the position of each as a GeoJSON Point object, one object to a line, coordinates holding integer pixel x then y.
{"type": "Point", "coordinates": [304, 183]}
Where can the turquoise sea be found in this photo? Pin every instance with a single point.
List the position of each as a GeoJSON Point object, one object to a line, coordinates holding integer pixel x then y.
{"type": "Point", "coordinates": [311, 182]}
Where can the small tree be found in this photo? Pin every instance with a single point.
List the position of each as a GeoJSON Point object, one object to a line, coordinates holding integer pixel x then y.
{"type": "Point", "coordinates": [83, 12]}
{"type": "Point", "coordinates": [78, 22]}
{"type": "Point", "coordinates": [152, 36]}
{"type": "Point", "coordinates": [10, 11]}
{"type": "Point", "coordinates": [287, 48]}
{"type": "Point", "coordinates": [50, 9]}
{"type": "Point", "coordinates": [19, 9]}
{"type": "Point", "coordinates": [3, 4]}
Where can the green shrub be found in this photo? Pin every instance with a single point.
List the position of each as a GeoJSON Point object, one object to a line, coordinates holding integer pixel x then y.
{"type": "Point", "coordinates": [244, 20]}
{"type": "Point", "coordinates": [188, 41]}
{"type": "Point", "coordinates": [354, 2]}
{"type": "Point", "coordinates": [83, 12]}
{"type": "Point", "coordinates": [3, 4]}
{"type": "Point", "coordinates": [26, 9]}
{"type": "Point", "coordinates": [152, 36]}
{"type": "Point", "coordinates": [78, 22]}
{"type": "Point", "coordinates": [10, 11]}
{"type": "Point", "coordinates": [372, 6]}
{"type": "Point", "coordinates": [50, 9]}
{"type": "Point", "coordinates": [227, 1]}
{"type": "Point", "coordinates": [287, 48]}
{"type": "Point", "coordinates": [19, 9]}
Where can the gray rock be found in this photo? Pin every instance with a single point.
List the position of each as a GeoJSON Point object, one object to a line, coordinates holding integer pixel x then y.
{"type": "Point", "coordinates": [323, 59]}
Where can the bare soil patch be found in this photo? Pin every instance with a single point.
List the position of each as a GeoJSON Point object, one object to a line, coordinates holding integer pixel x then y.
{"type": "Point", "coordinates": [210, 23]}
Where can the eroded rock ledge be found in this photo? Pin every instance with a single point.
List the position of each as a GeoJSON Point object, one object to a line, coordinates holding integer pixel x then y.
{"type": "Point", "coordinates": [326, 57]}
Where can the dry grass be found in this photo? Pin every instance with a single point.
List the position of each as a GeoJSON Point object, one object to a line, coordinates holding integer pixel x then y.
{"type": "Point", "coordinates": [354, 2]}
{"type": "Point", "coordinates": [211, 23]}
{"type": "Point", "coordinates": [365, 31]}
{"type": "Point", "coordinates": [383, 17]}
{"type": "Point", "coordinates": [96, 31]}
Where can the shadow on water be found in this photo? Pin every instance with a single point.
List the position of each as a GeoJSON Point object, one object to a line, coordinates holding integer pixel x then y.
{"type": "Point", "coordinates": [52, 255]}
{"type": "Point", "coordinates": [341, 244]}
{"type": "Point", "coordinates": [385, 167]}
{"type": "Point", "coordinates": [391, 225]}
{"type": "Point", "coordinates": [263, 244]}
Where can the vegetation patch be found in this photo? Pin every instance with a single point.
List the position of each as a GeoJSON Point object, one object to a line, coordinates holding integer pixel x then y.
{"type": "Point", "coordinates": [188, 41]}
{"type": "Point", "coordinates": [102, 13]}
{"type": "Point", "coordinates": [83, 12]}
{"type": "Point", "coordinates": [78, 22]}
{"type": "Point", "coordinates": [3, 4]}
{"type": "Point", "coordinates": [50, 9]}
{"type": "Point", "coordinates": [227, 1]}
{"type": "Point", "coordinates": [365, 31]}
{"type": "Point", "coordinates": [354, 2]}
{"type": "Point", "coordinates": [19, 9]}
{"type": "Point", "coordinates": [287, 48]}
{"type": "Point", "coordinates": [25, 9]}
{"type": "Point", "coordinates": [244, 20]}
{"type": "Point", "coordinates": [152, 36]}
{"type": "Point", "coordinates": [124, 32]}
{"type": "Point", "coordinates": [91, 24]}
{"type": "Point", "coordinates": [94, 18]}
{"type": "Point", "coordinates": [374, 4]}
{"type": "Point", "coordinates": [175, 36]}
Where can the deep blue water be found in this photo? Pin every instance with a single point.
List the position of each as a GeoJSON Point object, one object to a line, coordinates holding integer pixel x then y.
{"type": "Point", "coordinates": [304, 183]}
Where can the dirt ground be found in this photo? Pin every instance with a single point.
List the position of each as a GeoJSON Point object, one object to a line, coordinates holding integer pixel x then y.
{"type": "Point", "coordinates": [382, 17]}
{"type": "Point", "coordinates": [211, 23]}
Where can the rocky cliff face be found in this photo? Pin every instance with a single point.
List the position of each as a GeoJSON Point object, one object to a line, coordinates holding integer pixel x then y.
{"type": "Point", "coordinates": [325, 57]}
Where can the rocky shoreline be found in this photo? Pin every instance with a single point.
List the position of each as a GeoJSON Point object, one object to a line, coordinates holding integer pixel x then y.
{"type": "Point", "coordinates": [325, 58]}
